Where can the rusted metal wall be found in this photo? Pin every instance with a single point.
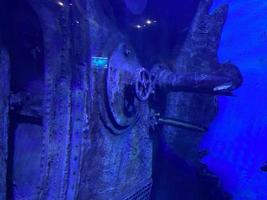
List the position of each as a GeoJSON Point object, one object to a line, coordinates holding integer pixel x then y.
{"type": "Point", "coordinates": [198, 55]}
{"type": "Point", "coordinates": [112, 166]}
{"type": "Point", "coordinates": [65, 97]}
{"type": "Point", "coordinates": [81, 158]}
{"type": "Point", "coordinates": [4, 108]}
{"type": "Point", "coordinates": [86, 152]}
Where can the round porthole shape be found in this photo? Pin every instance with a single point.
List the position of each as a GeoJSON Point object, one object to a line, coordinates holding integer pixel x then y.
{"type": "Point", "coordinates": [121, 108]}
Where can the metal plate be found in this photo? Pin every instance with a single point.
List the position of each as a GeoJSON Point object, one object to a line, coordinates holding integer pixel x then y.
{"type": "Point", "coordinates": [122, 108]}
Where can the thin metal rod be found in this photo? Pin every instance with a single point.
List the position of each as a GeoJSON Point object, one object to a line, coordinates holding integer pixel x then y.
{"type": "Point", "coordinates": [182, 124]}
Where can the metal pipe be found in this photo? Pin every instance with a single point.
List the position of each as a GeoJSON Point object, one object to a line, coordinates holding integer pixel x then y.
{"type": "Point", "coordinates": [181, 124]}
{"type": "Point", "coordinates": [210, 83]}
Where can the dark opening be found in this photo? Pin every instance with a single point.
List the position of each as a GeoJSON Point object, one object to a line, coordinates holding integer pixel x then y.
{"type": "Point", "coordinates": [172, 22]}
{"type": "Point", "coordinates": [22, 36]}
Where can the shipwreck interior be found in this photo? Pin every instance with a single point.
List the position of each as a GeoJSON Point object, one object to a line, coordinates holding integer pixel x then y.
{"type": "Point", "coordinates": [24, 42]}
{"type": "Point", "coordinates": [112, 99]}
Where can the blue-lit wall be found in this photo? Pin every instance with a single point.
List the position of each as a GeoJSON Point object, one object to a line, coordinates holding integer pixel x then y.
{"type": "Point", "coordinates": [237, 140]}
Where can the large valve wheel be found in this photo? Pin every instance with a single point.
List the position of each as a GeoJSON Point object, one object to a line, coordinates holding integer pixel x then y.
{"type": "Point", "coordinates": [143, 85]}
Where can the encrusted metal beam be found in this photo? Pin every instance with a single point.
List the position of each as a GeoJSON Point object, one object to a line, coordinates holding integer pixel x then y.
{"type": "Point", "coordinates": [4, 109]}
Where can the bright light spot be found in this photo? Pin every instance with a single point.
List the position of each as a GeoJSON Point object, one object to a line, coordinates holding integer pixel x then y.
{"type": "Point", "coordinates": [60, 3]}
{"type": "Point", "coordinates": [138, 26]}
{"type": "Point", "coordinates": [148, 21]}
{"type": "Point", "coordinates": [77, 22]}
{"type": "Point", "coordinates": [223, 87]}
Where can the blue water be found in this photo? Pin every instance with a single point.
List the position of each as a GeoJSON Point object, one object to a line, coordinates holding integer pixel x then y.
{"type": "Point", "coordinates": [237, 140]}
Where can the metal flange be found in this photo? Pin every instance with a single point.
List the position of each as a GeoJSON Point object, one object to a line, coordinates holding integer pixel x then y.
{"type": "Point", "coordinates": [120, 108]}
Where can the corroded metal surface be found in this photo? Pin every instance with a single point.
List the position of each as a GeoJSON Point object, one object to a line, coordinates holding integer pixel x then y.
{"type": "Point", "coordinates": [215, 82]}
{"type": "Point", "coordinates": [117, 162]}
{"type": "Point", "coordinates": [120, 109]}
{"type": "Point", "coordinates": [143, 84]}
{"type": "Point", "coordinates": [122, 160]}
{"type": "Point", "coordinates": [65, 108]}
{"type": "Point", "coordinates": [81, 158]}
{"type": "Point", "coordinates": [4, 109]}
{"type": "Point", "coordinates": [95, 140]}
{"type": "Point", "coordinates": [197, 56]}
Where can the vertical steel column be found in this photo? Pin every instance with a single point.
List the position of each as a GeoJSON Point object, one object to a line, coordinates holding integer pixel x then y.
{"type": "Point", "coordinates": [4, 108]}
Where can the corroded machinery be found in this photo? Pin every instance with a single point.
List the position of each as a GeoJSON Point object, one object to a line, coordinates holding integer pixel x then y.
{"type": "Point", "coordinates": [128, 87]}
{"type": "Point", "coordinates": [93, 111]}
